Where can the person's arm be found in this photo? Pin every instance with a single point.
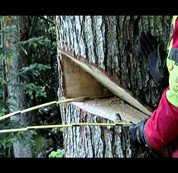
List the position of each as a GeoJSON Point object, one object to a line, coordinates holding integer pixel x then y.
{"type": "Point", "coordinates": [157, 131]}
{"type": "Point", "coordinates": [162, 127]}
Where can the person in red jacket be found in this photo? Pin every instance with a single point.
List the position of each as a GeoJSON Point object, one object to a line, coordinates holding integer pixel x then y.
{"type": "Point", "coordinates": [160, 131]}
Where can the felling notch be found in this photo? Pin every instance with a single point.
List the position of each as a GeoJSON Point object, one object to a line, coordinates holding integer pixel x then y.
{"type": "Point", "coordinates": [81, 78]}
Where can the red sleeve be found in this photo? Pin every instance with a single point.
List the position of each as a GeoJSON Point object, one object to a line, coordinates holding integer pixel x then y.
{"type": "Point", "coordinates": [162, 126]}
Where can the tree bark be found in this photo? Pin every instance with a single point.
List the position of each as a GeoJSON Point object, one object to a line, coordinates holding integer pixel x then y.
{"type": "Point", "coordinates": [15, 59]}
{"type": "Point", "coordinates": [111, 43]}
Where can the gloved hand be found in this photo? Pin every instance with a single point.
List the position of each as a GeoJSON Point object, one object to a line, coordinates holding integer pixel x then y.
{"type": "Point", "coordinates": [137, 135]}
{"type": "Point", "coordinates": [156, 58]}
{"type": "Point", "coordinates": [138, 140]}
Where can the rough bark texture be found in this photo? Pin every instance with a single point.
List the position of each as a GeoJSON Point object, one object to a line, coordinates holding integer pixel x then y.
{"type": "Point", "coordinates": [92, 141]}
{"type": "Point", "coordinates": [17, 100]}
{"type": "Point", "coordinates": [111, 42]}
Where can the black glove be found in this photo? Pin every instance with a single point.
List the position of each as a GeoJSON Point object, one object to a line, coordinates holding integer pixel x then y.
{"type": "Point", "coordinates": [137, 135]}
{"type": "Point", "coordinates": [138, 141]}
{"type": "Point", "coordinates": [155, 57]}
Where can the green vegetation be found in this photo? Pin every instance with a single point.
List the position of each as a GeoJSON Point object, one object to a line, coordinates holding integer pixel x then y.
{"type": "Point", "coordinates": [57, 154]}
{"type": "Point", "coordinates": [34, 48]}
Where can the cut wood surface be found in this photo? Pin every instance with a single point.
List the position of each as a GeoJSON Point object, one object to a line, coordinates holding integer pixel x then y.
{"type": "Point", "coordinates": [104, 79]}
{"type": "Point", "coordinates": [77, 82]}
{"type": "Point", "coordinates": [109, 108]}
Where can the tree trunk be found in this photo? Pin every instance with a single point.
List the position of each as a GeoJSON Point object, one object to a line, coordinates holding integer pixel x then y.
{"type": "Point", "coordinates": [111, 43]}
{"type": "Point", "coordinates": [15, 60]}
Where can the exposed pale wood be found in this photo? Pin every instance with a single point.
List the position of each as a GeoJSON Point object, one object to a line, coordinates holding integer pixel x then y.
{"type": "Point", "coordinates": [79, 83]}
{"type": "Point", "coordinates": [109, 108]}
{"type": "Point", "coordinates": [104, 79]}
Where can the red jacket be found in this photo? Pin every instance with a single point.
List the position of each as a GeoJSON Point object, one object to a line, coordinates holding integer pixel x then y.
{"type": "Point", "coordinates": [161, 129]}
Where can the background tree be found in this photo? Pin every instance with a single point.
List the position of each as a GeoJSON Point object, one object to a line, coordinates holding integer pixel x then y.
{"type": "Point", "coordinates": [111, 42]}
{"type": "Point", "coordinates": [14, 30]}
{"type": "Point", "coordinates": [28, 58]}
